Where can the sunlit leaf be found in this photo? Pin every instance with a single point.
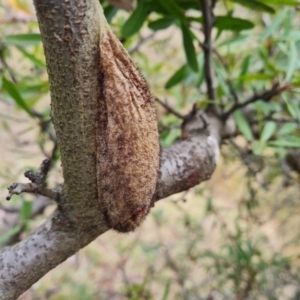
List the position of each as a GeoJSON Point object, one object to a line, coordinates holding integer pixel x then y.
{"type": "Point", "coordinates": [271, 28]}
{"type": "Point", "coordinates": [268, 131]}
{"type": "Point", "coordinates": [293, 61]}
{"type": "Point", "coordinates": [285, 143]}
{"type": "Point", "coordinates": [250, 77]}
{"type": "Point", "coordinates": [282, 2]}
{"type": "Point", "coordinates": [288, 128]}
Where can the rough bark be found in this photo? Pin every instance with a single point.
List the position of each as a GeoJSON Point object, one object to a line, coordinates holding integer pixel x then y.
{"type": "Point", "coordinates": [70, 31]}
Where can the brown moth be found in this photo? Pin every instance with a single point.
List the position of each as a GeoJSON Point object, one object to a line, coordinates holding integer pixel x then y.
{"type": "Point", "coordinates": [127, 138]}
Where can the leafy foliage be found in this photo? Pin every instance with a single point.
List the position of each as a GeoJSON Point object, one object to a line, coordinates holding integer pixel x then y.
{"type": "Point", "coordinates": [254, 45]}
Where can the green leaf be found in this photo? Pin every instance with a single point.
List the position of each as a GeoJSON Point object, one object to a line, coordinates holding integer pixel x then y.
{"type": "Point", "coordinates": [293, 61]}
{"type": "Point", "coordinates": [167, 290]}
{"type": "Point", "coordinates": [162, 23]}
{"type": "Point", "coordinates": [243, 125]}
{"type": "Point", "coordinates": [238, 39]}
{"type": "Point", "coordinates": [178, 76]}
{"type": "Point", "coordinates": [23, 40]}
{"type": "Point", "coordinates": [14, 93]}
{"type": "Point", "coordinates": [36, 61]}
{"type": "Point", "coordinates": [109, 12]}
{"type": "Point", "coordinates": [172, 8]}
{"type": "Point", "coordinates": [269, 30]}
{"type": "Point", "coordinates": [170, 137]}
{"type": "Point", "coordinates": [255, 5]}
{"type": "Point", "coordinates": [189, 4]}
{"type": "Point", "coordinates": [258, 148]}
{"type": "Point", "coordinates": [233, 24]}
{"type": "Point", "coordinates": [189, 47]}
{"type": "Point", "coordinates": [292, 106]}
{"type": "Point", "coordinates": [7, 235]}
{"type": "Point", "coordinates": [282, 2]}
{"type": "Point", "coordinates": [25, 211]}
{"type": "Point", "coordinates": [135, 21]}
{"type": "Point", "coordinates": [250, 77]}
{"type": "Point", "coordinates": [285, 143]}
{"type": "Point", "coordinates": [288, 128]}
{"type": "Point", "coordinates": [268, 131]}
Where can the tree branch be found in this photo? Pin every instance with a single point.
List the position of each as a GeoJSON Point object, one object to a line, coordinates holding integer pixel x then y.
{"type": "Point", "coordinates": [208, 20]}
{"type": "Point", "coordinates": [141, 41]}
{"type": "Point", "coordinates": [170, 109]}
{"type": "Point", "coordinates": [264, 96]}
{"type": "Point", "coordinates": [37, 184]}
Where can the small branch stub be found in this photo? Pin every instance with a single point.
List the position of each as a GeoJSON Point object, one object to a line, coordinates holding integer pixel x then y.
{"type": "Point", "coordinates": [36, 186]}
{"type": "Point", "coordinates": [39, 176]}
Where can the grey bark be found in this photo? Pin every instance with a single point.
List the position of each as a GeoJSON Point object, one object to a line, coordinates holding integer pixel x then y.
{"type": "Point", "coordinates": [70, 31]}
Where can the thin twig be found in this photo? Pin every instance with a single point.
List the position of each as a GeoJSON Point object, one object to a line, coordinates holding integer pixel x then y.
{"type": "Point", "coordinates": [225, 66]}
{"type": "Point", "coordinates": [36, 186]}
{"type": "Point", "coordinates": [141, 42]}
{"type": "Point", "coordinates": [264, 96]}
{"type": "Point", "coordinates": [208, 20]}
{"type": "Point", "coordinates": [170, 109]}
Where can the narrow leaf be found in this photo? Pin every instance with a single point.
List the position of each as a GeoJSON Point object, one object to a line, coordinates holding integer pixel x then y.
{"type": "Point", "coordinates": [172, 8]}
{"type": "Point", "coordinates": [243, 125]}
{"type": "Point", "coordinates": [189, 4]}
{"type": "Point", "coordinates": [178, 76]}
{"type": "Point", "coordinates": [26, 210]}
{"type": "Point", "coordinates": [284, 144]}
{"type": "Point", "coordinates": [135, 21]}
{"type": "Point", "coordinates": [268, 131]}
{"type": "Point", "coordinates": [36, 61]}
{"type": "Point", "coordinates": [109, 12]}
{"type": "Point", "coordinates": [269, 30]}
{"type": "Point", "coordinates": [255, 5]}
{"type": "Point", "coordinates": [282, 2]}
{"type": "Point", "coordinates": [167, 290]}
{"type": "Point", "coordinates": [250, 77]}
{"type": "Point", "coordinates": [233, 24]}
{"type": "Point", "coordinates": [161, 23]}
{"type": "Point", "coordinates": [288, 128]}
{"type": "Point", "coordinates": [23, 40]}
{"type": "Point", "coordinates": [14, 93]}
{"type": "Point", "coordinates": [293, 61]}
{"type": "Point", "coordinates": [189, 47]}
{"type": "Point", "coordinates": [4, 237]}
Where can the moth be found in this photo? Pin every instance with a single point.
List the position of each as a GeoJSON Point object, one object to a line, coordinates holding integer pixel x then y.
{"type": "Point", "coordinates": [127, 138]}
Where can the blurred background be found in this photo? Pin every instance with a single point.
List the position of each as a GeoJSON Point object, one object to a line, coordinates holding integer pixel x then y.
{"type": "Point", "coordinates": [235, 236]}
